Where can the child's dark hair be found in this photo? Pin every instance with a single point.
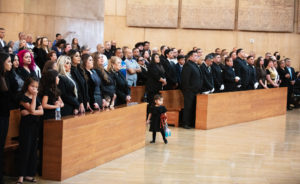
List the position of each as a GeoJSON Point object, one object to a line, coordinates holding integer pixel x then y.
{"type": "Point", "coordinates": [48, 83]}
{"type": "Point", "coordinates": [107, 98]}
{"type": "Point", "coordinates": [27, 82]}
{"type": "Point", "coordinates": [157, 97]}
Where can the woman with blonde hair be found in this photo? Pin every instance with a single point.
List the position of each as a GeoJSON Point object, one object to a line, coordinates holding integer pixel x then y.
{"type": "Point", "coordinates": [67, 87]}
{"type": "Point", "coordinates": [122, 88]}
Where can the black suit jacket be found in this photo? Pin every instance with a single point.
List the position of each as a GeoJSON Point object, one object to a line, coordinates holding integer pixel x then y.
{"type": "Point", "coordinates": [170, 70]}
{"type": "Point", "coordinates": [229, 79]}
{"type": "Point", "coordinates": [122, 88]}
{"type": "Point", "coordinates": [252, 76]}
{"type": "Point", "coordinates": [217, 75]}
{"type": "Point", "coordinates": [208, 81]}
{"type": "Point", "coordinates": [41, 57]}
{"type": "Point", "coordinates": [82, 88]}
{"type": "Point", "coordinates": [108, 87]}
{"type": "Point", "coordinates": [191, 78]}
{"type": "Point", "coordinates": [68, 95]}
{"type": "Point", "coordinates": [142, 77]}
{"type": "Point", "coordinates": [92, 86]}
{"type": "Point", "coordinates": [178, 74]}
{"type": "Point", "coordinates": [2, 47]}
{"type": "Point", "coordinates": [155, 72]}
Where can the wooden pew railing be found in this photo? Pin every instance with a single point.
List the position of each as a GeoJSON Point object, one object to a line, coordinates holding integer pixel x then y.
{"type": "Point", "coordinates": [76, 144]}
{"type": "Point", "coordinates": [222, 109]}
{"type": "Point", "coordinates": [173, 101]}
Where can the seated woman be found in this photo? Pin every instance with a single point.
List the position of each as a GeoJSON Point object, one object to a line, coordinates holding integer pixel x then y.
{"type": "Point", "coordinates": [93, 81]}
{"type": "Point", "coordinates": [67, 87]}
{"type": "Point", "coordinates": [230, 80]}
{"type": "Point", "coordinates": [122, 88]}
{"type": "Point", "coordinates": [26, 65]}
{"type": "Point", "coordinates": [261, 73]}
{"type": "Point", "coordinates": [272, 75]}
{"type": "Point", "coordinates": [108, 84]}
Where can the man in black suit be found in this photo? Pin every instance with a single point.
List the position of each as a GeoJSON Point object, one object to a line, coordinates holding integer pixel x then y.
{"type": "Point", "coordinates": [241, 69]}
{"type": "Point", "coordinates": [217, 73]}
{"type": "Point", "coordinates": [179, 66]}
{"type": "Point", "coordinates": [253, 83]}
{"type": "Point", "coordinates": [170, 70]}
{"type": "Point", "coordinates": [191, 84]}
{"type": "Point", "coordinates": [208, 81]}
{"type": "Point", "coordinates": [291, 71]}
{"type": "Point", "coordinates": [2, 42]}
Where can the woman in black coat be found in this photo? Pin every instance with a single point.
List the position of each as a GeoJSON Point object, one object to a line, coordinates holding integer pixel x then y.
{"type": "Point", "coordinates": [283, 74]}
{"type": "Point", "coordinates": [229, 78]}
{"type": "Point", "coordinates": [81, 84]}
{"type": "Point", "coordinates": [42, 53]}
{"type": "Point", "coordinates": [156, 78]}
{"type": "Point", "coordinates": [5, 96]}
{"type": "Point", "coordinates": [93, 81]}
{"type": "Point", "coordinates": [67, 87]}
{"type": "Point", "coordinates": [122, 88]}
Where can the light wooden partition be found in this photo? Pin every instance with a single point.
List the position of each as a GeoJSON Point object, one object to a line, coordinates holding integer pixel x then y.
{"type": "Point", "coordinates": [76, 144]}
{"type": "Point", "coordinates": [137, 93]}
{"type": "Point", "coordinates": [173, 101]}
{"type": "Point", "coordinates": [222, 109]}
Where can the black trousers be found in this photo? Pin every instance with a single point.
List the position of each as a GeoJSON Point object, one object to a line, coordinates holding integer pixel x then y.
{"type": "Point", "coordinates": [28, 139]}
{"type": "Point", "coordinates": [162, 134]}
{"type": "Point", "coordinates": [4, 121]}
{"type": "Point", "coordinates": [289, 95]}
{"type": "Point", "coordinates": [189, 108]}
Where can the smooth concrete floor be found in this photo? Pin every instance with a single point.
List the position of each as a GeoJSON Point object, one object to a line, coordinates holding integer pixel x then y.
{"type": "Point", "coordinates": [265, 151]}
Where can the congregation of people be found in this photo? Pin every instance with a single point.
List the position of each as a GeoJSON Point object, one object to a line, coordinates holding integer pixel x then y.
{"type": "Point", "coordinates": [41, 77]}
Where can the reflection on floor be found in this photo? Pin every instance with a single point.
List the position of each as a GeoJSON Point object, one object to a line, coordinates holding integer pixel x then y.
{"type": "Point", "coordinates": [260, 152]}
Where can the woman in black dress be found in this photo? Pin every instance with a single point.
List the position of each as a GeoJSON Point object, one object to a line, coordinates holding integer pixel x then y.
{"type": "Point", "coordinates": [156, 78]}
{"type": "Point", "coordinates": [108, 83]}
{"type": "Point", "coordinates": [5, 99]}
{"type": "Point", "coordinates": [261, 73]}
{"type": "Point", "coordinates": [81, 84]}
{"type": "Point", "coordinates": [26, 65]}
{"type": "Point", "coordinates": [155, 118]}
{"type": "Point", "coordinates": [122, 88]}
{"type": "Point", "coordinates": [67, 86]}
{"type": "Point", "coordinates": [93, 80]}
{"type": "Point", "coordinates": [42, 53]}
{"type": "Point", "coordinates": [16, 81]}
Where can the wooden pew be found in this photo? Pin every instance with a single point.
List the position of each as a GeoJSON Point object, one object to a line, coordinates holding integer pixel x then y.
{"type": "Point", "coordinates": [76, 144]}
{"type": "Point", "coordinates": [11, 145]}
{"type": "Point", "coordinates": [222, 109]}
{"type": "Point", "coordinates": [173, 101]}
{"type": "Point", "coordinates": [137, 93]}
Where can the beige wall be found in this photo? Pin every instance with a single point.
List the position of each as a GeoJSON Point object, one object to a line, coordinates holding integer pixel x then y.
{"type": "Point", "coordinates": [48, 17]}
{"type": "Point", "coordinates": [115, 28]}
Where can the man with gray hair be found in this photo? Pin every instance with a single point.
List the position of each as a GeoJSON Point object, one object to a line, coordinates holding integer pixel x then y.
{"type": "Point", "coordinates": [22, 36]}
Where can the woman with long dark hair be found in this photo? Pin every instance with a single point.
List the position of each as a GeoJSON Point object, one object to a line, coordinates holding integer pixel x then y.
{"type": "Point", "coordinates": [42, 53]}
{"type": "Point", "coordinates": [78, 76]}
{"type": "Point", "coordinates": [75, 44]}
{"type": "Point", "coordinates": [94, 82]}
{"type": "Point", "coordinates": [156, 78]}
{"type": "Point", "coordinates": [261, 73]}
{"type": "Point", "coordinates": [108, 84]}
{"type": "Point", "coordinates": [5, 97]}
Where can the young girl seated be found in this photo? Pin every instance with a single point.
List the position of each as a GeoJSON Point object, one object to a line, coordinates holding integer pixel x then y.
{"type": "Point", "coordinates": [157, 118]}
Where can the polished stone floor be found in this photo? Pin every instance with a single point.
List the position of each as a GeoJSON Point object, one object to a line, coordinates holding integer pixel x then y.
{"type": "Point", "coordinates": [259, 152]}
